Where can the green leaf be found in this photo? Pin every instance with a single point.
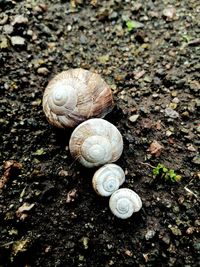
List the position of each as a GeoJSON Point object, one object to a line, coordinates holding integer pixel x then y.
{"type": "Point", "coordinates": [167, 174]}
{"type": "Point", "coordinates": [132, 24]}
{"type": "Point", "coordinates": [39, 152]}
{"type": "Point", "coordinates": [171, 172]}
{"type": "Point", "coordinates": [165, 169]}
{"type": "Point", "coordinates": [172, 175]}
{"type": "Point", "coordinates": [186, 37]}
{"type": "Point", "coordinates": [156, 171]}
{"type": "Point", "coordinates": [160, 166]}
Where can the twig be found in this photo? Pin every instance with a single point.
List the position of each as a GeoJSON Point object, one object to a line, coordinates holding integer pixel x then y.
{"type": "Point", "coordinates": [190, 191]}
{"type": "Point", "coordinates": [147, 164]}
{"type": "Point", "coordinates": [194, 42]}
{"type": "Point", "coordinates": [75, 160]}
{"type": "Point", "coordinates": [7, 244]}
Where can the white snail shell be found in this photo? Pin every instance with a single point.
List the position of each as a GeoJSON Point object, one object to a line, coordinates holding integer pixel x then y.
{"type": "Point", "coordinates": [124, 202]}
{"type": "Point", "coordinates": [96, 142]}
{"type": "Point", "coordinates": [108, 179]}
{"type": "Point", "coordinates": [73, 96]}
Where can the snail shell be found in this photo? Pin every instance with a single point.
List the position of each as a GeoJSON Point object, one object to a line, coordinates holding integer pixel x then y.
{"type": "Point", "coordinates": [96, 142]}
{"type": "Point", "coordinates": [108, 179]}
{"type": "Point", "coordinates": [73, 96]}
{"type": "Point", "coordinates": [124, 202]}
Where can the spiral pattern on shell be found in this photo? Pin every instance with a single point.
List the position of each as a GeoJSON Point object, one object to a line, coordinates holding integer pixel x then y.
{"type": "Point", "coordinates": [124, 202]}
{"type": "Point", "coordinates": [108, 179]}
{"type": "Point", "coordinates": [73, 96]}
{"type": "Point", "coordinates": [96, 142]}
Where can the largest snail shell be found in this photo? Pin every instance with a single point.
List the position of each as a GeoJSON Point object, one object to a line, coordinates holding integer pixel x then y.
{"type": "Point", "coordinates": [124, 202]}
{"type": "Point", "coordinates": [73, 96]}
{"type": "Point", "coordinates": [96, 142]}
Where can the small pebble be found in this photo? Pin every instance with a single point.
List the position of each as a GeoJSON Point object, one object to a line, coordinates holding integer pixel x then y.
{"type": "Point", "coordinates": [17, 41]}
{"type": "Point", "coordinates": [29, 32]}
{"type": "Point", "coordinates": [197, 102]}
{"type": "Point", "coordinates": [168, 133]}
{"type": "Point", "coordinates": [198, 129]}
{"type": "Point", "coordinates": [133, 118]}
{"type": "Point", "coordinates": [69, 28]}
{"type": "Point", "coordinates": [175, 100]}
{"type": "Point", "coordinates": [196, 160]}
{"type": "Point", "coordinates": [169, 13]}
{"type": "Point", "coordinates": [174, 93]}
{"type": "Point", "coordinates": [155, 95]}
{"type": "Point", "coordinates": [157, 108]}
{"type": "Point", "coordinates": [83, 39]}
{"type": "Point", "coordinates": [166, 239]}
{"type": "Point", "coordinates": [4, 43]}
{"type": "Point", "coordinates": [184, 130]}
{"type": "Point", "coordinates": [150, 234]}
{"type": "Point", "coordinates": [42, 71]}
{"type": "Point", "coordinates": [185, 114]}
{"type": "Point", "coordinates": [191, 148]}
{"type": "Point", "coordinates": [19, 19]}
{"type": "Point", "coordinates": [8, 29]}
{"type": "Point", "coordinates": [169, 112]}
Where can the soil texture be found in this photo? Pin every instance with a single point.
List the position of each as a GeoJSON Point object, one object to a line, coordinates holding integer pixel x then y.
{"type": "Point", "coordinates": [149, 54]}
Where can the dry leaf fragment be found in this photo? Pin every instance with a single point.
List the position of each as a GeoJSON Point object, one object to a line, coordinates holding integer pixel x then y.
{"type": "Point", "coordinates": [190, 230]}
{"type": "Point", "coordinates": [47, 249]}
{"type": "Point", "coordinates": [128, 252]}
{"type": "Point", "coordinates": [158, 125]}
{"type": "Point", "coordinates": [147, 123]}
{"type": "Point", "coordinates": [10, 168]}
{"type": "Point", "coordinates": [155, 148]}
{"type": "Point", "coordinates": [21, 212]}
{"type": "Point", "coordinates": [146, 256]}
{"type": "Point", "coordinates": [171, 141]}
{"type": "Point", "coordinates": [19, 246]}
{"type": "Point", "coordinates": [71, 195]}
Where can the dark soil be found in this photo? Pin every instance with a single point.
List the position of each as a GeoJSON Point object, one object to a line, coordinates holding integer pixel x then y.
{"type": "Point", "coordinates": [151, 67]}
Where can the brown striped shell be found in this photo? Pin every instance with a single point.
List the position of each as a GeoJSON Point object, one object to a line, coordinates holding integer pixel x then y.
{"type": "Point", "coordinates": [74, 96]}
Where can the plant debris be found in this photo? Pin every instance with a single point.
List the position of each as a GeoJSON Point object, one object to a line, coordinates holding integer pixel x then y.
{"type": "Point", "coordinates": [11, 168]}
{"type": "Point", "coordinates": [155, 148]}
{"type": "Point", "coordinates": [21, 213]}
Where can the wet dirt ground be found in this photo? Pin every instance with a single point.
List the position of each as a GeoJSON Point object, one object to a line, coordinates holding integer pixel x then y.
{"type": "Point", "coordinates": [149, 53]}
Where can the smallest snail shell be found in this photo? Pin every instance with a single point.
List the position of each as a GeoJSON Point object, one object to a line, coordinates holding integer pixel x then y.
{"type": "Point", "coordinates": [108, 179]}
{"type": "Point", "coordinates": [124, 202]}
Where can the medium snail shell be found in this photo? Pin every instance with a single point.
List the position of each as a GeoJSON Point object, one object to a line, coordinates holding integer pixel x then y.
{"type": "Point", "coordinates": [124, 202]}
{"type": "Point", "coordinates": [73, 96]}
{"type": "Point", "coordinates": [96, 142]}
{"type": "Point", "coordinates": [108, 179]}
